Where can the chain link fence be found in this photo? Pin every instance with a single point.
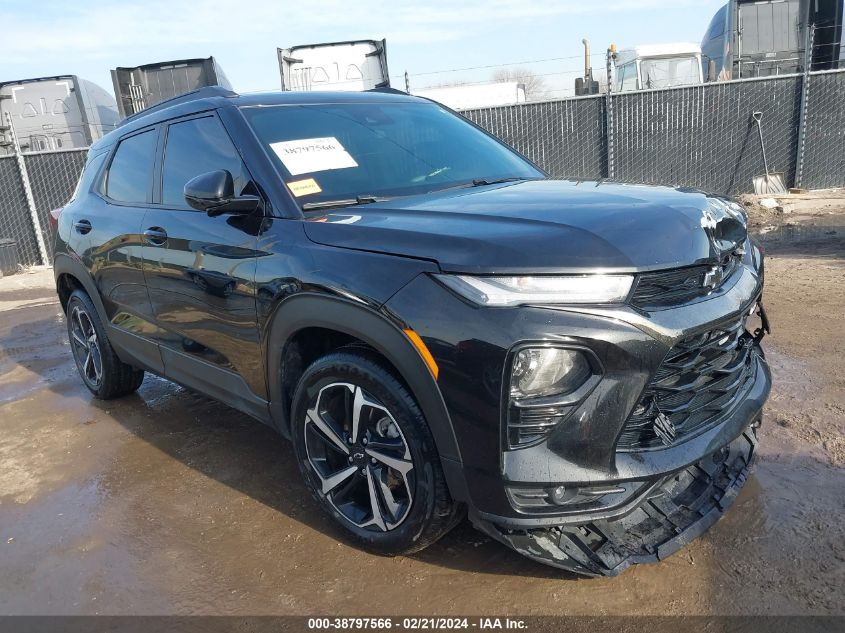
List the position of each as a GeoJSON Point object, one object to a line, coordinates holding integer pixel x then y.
{"type": "Point", "coordinates": [52, 179]}
{"type": "Point", "coordinates": [824, 145]}
{"type": "Point", "coordinates": [15, 220]}
{"type": "Point", "coordinates": [698, 136]}
{"type": "Point", "coordinates": [704, 136]}
{"type": "Point", "coordinates": [567, 138]}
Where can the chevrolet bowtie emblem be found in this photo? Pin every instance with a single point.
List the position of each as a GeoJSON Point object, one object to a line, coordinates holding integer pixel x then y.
{"type": "Point", "coordinates": [712, 278]}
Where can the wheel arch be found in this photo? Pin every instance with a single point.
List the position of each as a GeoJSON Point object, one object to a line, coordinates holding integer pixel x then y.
{"type": "Point", "coordinates": [70, 274]}
{"type": "Point", "coordinates": [358, 323]}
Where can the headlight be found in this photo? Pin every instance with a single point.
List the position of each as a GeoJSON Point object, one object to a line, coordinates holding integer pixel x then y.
{"type": "Point", "coordinates": [732, 209]}
{"type": "Point", "coordinates": [738, 212]}
{"type": "Point", "coordinates": [538, 372]}
{"type": "Point", "coordinates": [514, 291]}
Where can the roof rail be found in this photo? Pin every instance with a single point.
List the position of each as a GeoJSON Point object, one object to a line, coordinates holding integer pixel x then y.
{"type": "Point", "coordinates": [200, 93]}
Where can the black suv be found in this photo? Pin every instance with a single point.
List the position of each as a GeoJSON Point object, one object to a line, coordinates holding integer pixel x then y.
{"type": "Point", "coordinates": [438, 326]}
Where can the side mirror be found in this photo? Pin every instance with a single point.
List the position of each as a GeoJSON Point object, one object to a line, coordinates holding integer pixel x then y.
{"type": "Point", "coordinates": [214, 193]}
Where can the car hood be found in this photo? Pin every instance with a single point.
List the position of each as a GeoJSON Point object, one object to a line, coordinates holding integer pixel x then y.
{"type": "Point", "coordinates": [540, 226]}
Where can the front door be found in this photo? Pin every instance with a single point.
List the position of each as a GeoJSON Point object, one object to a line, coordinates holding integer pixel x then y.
{"type": "Point", "coordinates": [200, 270]}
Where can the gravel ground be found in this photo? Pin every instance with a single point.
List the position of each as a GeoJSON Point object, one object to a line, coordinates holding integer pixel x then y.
{"type": "Point", "coordinates": [166, 502]}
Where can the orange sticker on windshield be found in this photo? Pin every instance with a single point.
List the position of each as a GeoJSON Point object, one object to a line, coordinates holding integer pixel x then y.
{"type": "Point", "coordinates": [304, 187]}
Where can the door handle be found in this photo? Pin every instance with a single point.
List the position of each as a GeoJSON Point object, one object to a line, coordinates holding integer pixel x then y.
{"type": "Point", "coordinates": [155, 235]}
{"type": "Point", "coordinates": [82, 227]}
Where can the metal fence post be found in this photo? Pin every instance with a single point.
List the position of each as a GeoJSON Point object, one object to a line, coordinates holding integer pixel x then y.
{"type": "Point", "coordinates": [802, 114]}
{"type": "Point", "coordinates": [611, 168]}
{"type": "Point", "coordinates": [30, 201]}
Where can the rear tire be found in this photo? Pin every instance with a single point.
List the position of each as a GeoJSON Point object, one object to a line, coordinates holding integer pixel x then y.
{"type": "Point", "coordinates": [367, 454]}
{"type": "Point", "coordinates": [105, 375]}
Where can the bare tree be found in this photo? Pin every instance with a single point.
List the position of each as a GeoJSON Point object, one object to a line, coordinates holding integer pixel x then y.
{"type": "Point", "coordinates": [535, 85]}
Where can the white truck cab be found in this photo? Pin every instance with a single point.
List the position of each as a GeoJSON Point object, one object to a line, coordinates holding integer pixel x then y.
{"type": "Point", "coordinates": [657, 66]}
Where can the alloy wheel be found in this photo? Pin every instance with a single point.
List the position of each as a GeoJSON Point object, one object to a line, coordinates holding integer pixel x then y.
{"type": "Point", "coordinates": [86, 346]}
{"type": "Point", "coordinates": [360, 456]}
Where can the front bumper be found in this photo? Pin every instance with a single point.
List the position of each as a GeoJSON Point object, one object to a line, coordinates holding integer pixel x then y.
{"type": "Point", "coordinates": [472, 345]}
{"type": "Point", "coordinates": [672, 511]}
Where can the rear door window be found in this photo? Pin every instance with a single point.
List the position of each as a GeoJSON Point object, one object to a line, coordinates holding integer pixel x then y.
{"type": "Point", "coordinates": [194, 147]}
{"type": "Point", "coordinates": [131, 171]}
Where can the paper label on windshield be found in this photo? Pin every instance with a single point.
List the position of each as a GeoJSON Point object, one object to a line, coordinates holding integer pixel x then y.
{"type": "Point", "coordinates": [304, 187]}
{"type": "Point", "coordinates": [313, 154]}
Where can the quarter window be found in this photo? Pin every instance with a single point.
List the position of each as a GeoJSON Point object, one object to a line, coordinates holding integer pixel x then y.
{"type": "Point", "coordinates": [131, 171]}
{"type": "Point", "coordinates": [195, 147]}
{"type": "Point", "coordinates": [92, 167]}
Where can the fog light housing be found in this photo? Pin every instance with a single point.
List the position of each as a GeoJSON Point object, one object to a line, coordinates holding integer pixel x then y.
{"type": "Point", "coordinates": [561, 500]}
{"type": "Point", "coordinates": [545, 387]}
{"type": "Point", "coordinates": [539, 372]}
{"type": "Point", "coordinates": [558, 495]}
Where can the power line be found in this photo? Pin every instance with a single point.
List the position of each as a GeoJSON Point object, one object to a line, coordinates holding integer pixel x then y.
{"type": "Point", "coordinates": [532, 61]}
{"type": "Point", "coordinates": [577, 72]}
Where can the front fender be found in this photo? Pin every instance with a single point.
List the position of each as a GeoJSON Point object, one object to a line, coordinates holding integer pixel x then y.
{"type": "Point", "coordinates": [376, 330]}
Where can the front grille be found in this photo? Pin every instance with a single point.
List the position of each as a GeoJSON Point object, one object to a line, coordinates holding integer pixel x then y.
{"type": "Point", "coordinates": [666, 288]}
{"type": "Point", "coordinates": [700, 380]}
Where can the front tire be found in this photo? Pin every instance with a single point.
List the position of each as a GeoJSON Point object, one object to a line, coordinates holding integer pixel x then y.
{"type": "Point", "coordinates": [367, 455]}
{"type": "Point", "coordinates": [105, 375]}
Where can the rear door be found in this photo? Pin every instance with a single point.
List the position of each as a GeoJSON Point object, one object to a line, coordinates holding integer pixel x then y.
{"type": "Point", "coordinates": [769, 37]}
{"type": "Point", "coordinates": [200, 270]}
{"type": "Point", "coordinates": [108, 224]}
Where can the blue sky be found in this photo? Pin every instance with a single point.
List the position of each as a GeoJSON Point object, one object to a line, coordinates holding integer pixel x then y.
{"type": "Point", "coordinates": [87, 38]}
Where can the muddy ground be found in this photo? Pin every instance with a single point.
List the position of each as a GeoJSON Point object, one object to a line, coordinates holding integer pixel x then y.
{"type": "Point", "coordinates": [166, 502]}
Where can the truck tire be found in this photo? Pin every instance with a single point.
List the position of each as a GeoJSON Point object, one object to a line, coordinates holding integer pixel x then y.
{"type": "Point", "coordinates": [367, 454]}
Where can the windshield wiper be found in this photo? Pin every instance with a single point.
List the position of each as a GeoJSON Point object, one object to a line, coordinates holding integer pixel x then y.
{"type": "Point", "coordinates": [337, 204]}
{"type": "Point", "coordinates": [480, 182]}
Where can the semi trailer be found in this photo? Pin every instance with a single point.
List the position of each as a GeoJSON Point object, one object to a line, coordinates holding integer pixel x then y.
{"type": "Point", "coordinates": [53, 113]}
{"type": "Point", "coordinates": [753, 38]}
{"type": "Point", "coordinates": [345, 66]}
{"type": "Point", "coordinates": [140, 87]}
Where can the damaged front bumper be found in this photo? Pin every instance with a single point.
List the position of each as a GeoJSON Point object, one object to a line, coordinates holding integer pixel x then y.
{"type": "Point", "coordinates": [673, 511]}
{"type": "Point", "coordinates": [656, 500]}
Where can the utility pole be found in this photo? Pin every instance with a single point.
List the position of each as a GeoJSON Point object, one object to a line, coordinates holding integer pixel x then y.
{"type": "Point", "coordinates": [407, 83]}
{"type": "Point", "coordinates": [27, 188]}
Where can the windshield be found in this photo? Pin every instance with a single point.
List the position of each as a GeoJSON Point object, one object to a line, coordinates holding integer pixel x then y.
{"type": "Point", "coordinates": [665, 73]}
{"type": "Point", "coordinates": [331, 152]}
